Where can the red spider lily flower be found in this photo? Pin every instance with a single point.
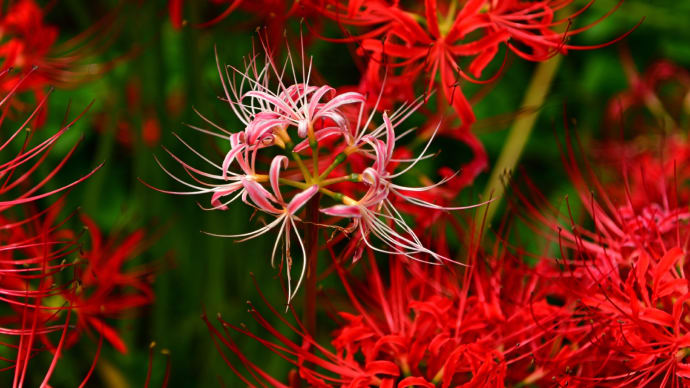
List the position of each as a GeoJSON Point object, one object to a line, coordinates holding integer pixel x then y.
{"type": "Point", "coordinates": [434, 39]}
{"type": "Point", "coordinates": [33, 255]}
{"type": "Point", "coordinates": [626, 276]}
{"type": "Point", "coordinates": [428, 328]}
{"type": "Point", "coordinates": [644, 96]}
{"type": "Point", "coordinates": [30, 46]}
{"type": "Point", "coordinates": [300, 121]}
{"type": "Point", "coordinates": [34, 244]}
{"type": "Point", "coordinates": [654, 174]}
{"type": "Point", "coordinates": [54, 310]}
{"type": "Point", "coordinates": [104, 288]}
{"type": "Point", "coordinates": [17, 170]}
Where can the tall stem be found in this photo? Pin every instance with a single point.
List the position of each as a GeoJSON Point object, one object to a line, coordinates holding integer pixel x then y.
{"type": "Point", "coordinates": [312, 244]}
{"type": "Point", "coordinates": [519, 134]}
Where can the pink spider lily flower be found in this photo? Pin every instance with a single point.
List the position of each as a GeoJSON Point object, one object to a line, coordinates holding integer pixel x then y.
{"type": "Point", "coordinates": [285, 217]}
{"type": "Point", "coordinates": [374, 211]}
{"type": "Point", "coordinates": [300, 121]}
{"type": "Point", "coordinates": [263, 110]}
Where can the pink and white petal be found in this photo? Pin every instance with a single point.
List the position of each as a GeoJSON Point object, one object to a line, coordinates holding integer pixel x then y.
{"type": "Point", "coordinates": [274, 175]}
{"type": "Point", "coordinates": [370, 177]}
{"type": "Point", "coordinates": [344, 211]}
{"type": "Point", "coordinates": [343, 99]}
{"type": "Point", "coordinates": [316, 97]}
{"type": "Point", "coordinates": [229, 158]}
{"type": "Point", "coordinates": [302, 127]}
{"type": "Point", "coordinates": [380, 150]}
{"type": "Point", "coordinates": [382, 159]}
{"type": "Point", "coordinates": [390, 137]}
{"type": "Point", "coordinates": [236, 139]}
{"type": "Point", "coordinates": [223, 191]}
{"type": "Point", "coordinates": [260, 196]}
{"type": "Point", "coordinates": [271, 99]}
{"type": "Point", "coordinates": [301, 198]}
{"type": "Point", "coordinates": [257, 129]}
{"type": "Point", "coordinates": [321, 134]}
{"type": "Point", "coordinates": [325, 133]}
{"type": "Point", "coordinates": [337, 118]}
{"type": "Point", "coordinates": [294, 92]}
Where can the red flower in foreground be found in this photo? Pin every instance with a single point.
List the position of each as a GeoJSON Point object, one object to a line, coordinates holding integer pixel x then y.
{"type": "Point", "coordinates": [627, 278]}
{"type": "Point", "coordinates": [33, 254]}
{"type": "Point", "coordinates": [438, 37]}
{"type": "Point", "coordinates": [426, 327]}
{"type": "Point", "coordinates": [611, 311]}
{"type": "Point", "coordinates": [34, 246]}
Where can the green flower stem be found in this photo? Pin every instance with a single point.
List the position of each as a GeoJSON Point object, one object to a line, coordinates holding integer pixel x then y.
{"type": "Point", "coordinates": [314, 155]}
{"type": "Point", "coordinates": [346, 178]}
{"type": "Point", "coordinates": [338, 159]}
{"type": "Point", "coordinates": [518, 136]}
{"type": "Point", "coordinates": [301, 185]}
{"type": "Point", "coordinates": [298, 160]}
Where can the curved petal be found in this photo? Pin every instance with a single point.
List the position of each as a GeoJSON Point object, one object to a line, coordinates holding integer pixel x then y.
{"type": "Point", "coordinates": [274, 175]}
{"type": "Point", "coordinates": [300, 199]}
{"type": "Point", "coordinates": [343, 211]}
{"type": "Point", "coordinates": [223, 191]}
{"type": "Point", "coordinates": [260, 196]}
{"type": "Point", "coordinates": [316, 97]}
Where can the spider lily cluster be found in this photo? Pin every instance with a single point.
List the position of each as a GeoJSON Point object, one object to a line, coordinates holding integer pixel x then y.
{"type": "Point", "coordinates": [321, 148]}
{"type": "Point", "coordinates": [604, 303]}
{"type": "Point", "coordinates": [608, 308]}
{"type": "Point", "coordinates": [54, 289]}
{"type": "Point", "coordinates": [57, 290]}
